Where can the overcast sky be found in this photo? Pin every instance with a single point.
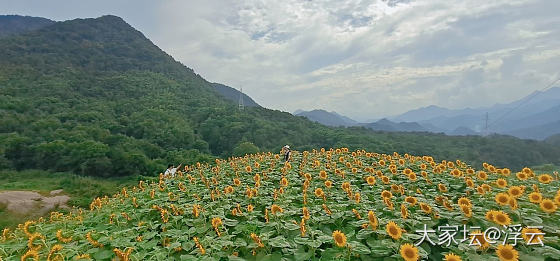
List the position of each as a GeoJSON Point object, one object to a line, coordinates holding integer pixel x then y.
{"type": "Point", "coordinates": [363, 59]}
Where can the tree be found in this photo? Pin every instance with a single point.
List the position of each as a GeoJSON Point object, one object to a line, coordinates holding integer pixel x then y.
{"type": "Point", "coordinates": [244, 148]}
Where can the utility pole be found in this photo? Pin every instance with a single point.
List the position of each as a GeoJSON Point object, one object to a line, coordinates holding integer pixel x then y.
{"type": "Point", "coordinates": [486, 125]}
{"type": "Point", "coordinates": [241, 105]}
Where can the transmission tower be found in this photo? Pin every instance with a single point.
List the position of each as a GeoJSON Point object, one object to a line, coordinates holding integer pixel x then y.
{"type": "Point", "coordinates": [486, 125]}
{"type": "Point", "coordinates": [241, 104]}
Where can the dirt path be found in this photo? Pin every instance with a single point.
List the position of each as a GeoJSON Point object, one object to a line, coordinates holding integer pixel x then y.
{"type": "Point", "coordinates": [30, 202]}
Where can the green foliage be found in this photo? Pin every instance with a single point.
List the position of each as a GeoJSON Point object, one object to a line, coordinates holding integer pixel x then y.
{"type": "Point", "coordinates": [245, 148]}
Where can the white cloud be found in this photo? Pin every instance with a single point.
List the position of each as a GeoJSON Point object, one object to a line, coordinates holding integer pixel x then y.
{"type": "Point", "coordinates": [363, 58]}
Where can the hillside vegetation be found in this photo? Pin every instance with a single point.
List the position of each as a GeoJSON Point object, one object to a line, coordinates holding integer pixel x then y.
{"type": "Point", "coordinates": [329, 204]}
{"type": "Point", "coordinates": [95, 97]}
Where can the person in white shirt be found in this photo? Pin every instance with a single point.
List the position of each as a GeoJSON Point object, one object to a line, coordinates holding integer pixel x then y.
{"type": "Point", "coordinates": [286, 151]}
{"type": "Point", "coordinates": [171, 170]}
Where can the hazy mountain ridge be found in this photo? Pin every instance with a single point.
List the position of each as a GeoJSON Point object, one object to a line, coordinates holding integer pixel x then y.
{"type": "Point", "coordinates": [336, 119]}
{"type": "Point", "coordinates": [518, 118]}
{"type": "Point", "coordinates": [326, 118]}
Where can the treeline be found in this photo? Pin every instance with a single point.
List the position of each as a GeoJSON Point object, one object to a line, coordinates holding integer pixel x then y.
{"type": "Point", "coordinates": [95, 97]}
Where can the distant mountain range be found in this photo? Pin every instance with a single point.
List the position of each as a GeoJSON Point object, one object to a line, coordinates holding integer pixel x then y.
{"type": "Point", "coordinates": [326, 118]}
{"type": "Point", "coordinates": [536, 116]}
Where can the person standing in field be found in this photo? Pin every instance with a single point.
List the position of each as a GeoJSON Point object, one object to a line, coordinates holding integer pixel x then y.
{"type": "Point", "coordinates": [287, 152]}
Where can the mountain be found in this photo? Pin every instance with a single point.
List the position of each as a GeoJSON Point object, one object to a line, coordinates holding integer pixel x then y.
{"type": "Point", "coordinates": [96, 97]}
{"type": "Point", "coordinates": [326, 118]}
{"type": "Point", "coordinates": [538, 132]}
{"type": "Point", "coordinates": [17, 24]}
{"type": "Point", "coordinates": [518, 118]}
{"type": "Point", "coordinates": [421, 114]}
{"type": "Point", "coordinates": [387, 125]}
{"type": "Point", "coordinates": [233, 95]}
{"type": "Point", "coordinates": [554, 140]}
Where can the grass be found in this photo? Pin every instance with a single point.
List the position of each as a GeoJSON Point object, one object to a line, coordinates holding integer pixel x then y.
{"type": "Point", "coordinates": [81, 190]}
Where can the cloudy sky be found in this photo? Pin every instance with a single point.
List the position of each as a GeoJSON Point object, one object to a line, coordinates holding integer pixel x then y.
{"type": "Point", "coordinates": [363, 59]}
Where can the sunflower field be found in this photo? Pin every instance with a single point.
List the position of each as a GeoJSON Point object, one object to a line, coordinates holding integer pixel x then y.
{"type": "Point", "coordinates": [321, 205]}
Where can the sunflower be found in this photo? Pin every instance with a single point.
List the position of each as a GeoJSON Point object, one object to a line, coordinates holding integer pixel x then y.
{"type": "Point", "coordinates": [404, 211]}
{"type": "Point", "coordinates": [545, 178]}
{"type": "Point", "coordinates": [464, 201]}
{"type": "Point", "coordinates": [284, 182]}
{"type": "Point", "coordinates": [409, 252]}
{"type": "Point", "coordinates": [507, 253]}
{"type": "Point", "coordinates": [385, 179]}
{"type": "Point", "coordinates": [447, 205]}
{"type": "Point", "coordinates": [250, 208]}
{"type": "Point", "coordinates": [502, 218]}
{"type": "Point", "coordinates": [319, 192]}
{"type": "Point", "coordinates": [248, 169]}
{"type": "Point", "coordinates": [466, 210]}
{"type": "Point", "coordinates": [521, 175]}
{"type": "Point", "coordinates": [393, 230]}
{"type": "Point", "coordinates": [61, 238]}
{"type": "Point", "coordinates": [502, 183]}
{"type": "Point", "coordinates": [370, 180]}
{"type": "Point", "coordinates": [357, 197]}
{"type": "Point", "coordinates": [490, 214]}
{"type": "Point", "coordinates": [328, 183]}
{"type": "Point", "coordinates": [395, 188]}
{"type": "Point", "coordinates": [426, 208]}
{"type": "Point", "coordinates": [557, 199]}
{"type": "Point", "coordinates": [486, 187]}
{"type": "Point", "coordinates": [307, 176]}
{"type": "Point", "coordinates": [411, 200]}
{"type": "Point", "coordinates": [31, 241]}
{"type": "Point", "coordinates": [345, 186]}
{"type": "Point", "coordinates": [456, 173]}
{"type": "Point", "coordinates": [502, 198]}
{"type": "Point", "coordinates": [452, 257]}
{"type": "Point", "coordinates": [478, 239]}
{"type": "Point", "coordinates": [385, 194]}
{"type": "Point", "coordinates": [372, 220]}
{"type": "Point", "coordinates": [228, 190]}
{"type": "Point", "coordinates": [339, 238]}
{"type": "Point", "coordinates": [548, 206]}
{"type": "Point", "coordinates": [513, 203]}
{"type": "Point", "coordinates": [323, 174]}
{"type": "Point", "coordinates": [52, 252]}
{"type": "Point", "coordinates": [33, 254]}
{"type": "Point", "coordinates": [480, 190]}
{"type": "Point", "coordinates": [534, 235]}
{"type": "Point", "coordinates": [469, 183]}
{"type": "Point", "coordinates": [515, 191]}
{"type": "Point", "coordinates": [275, 209]}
